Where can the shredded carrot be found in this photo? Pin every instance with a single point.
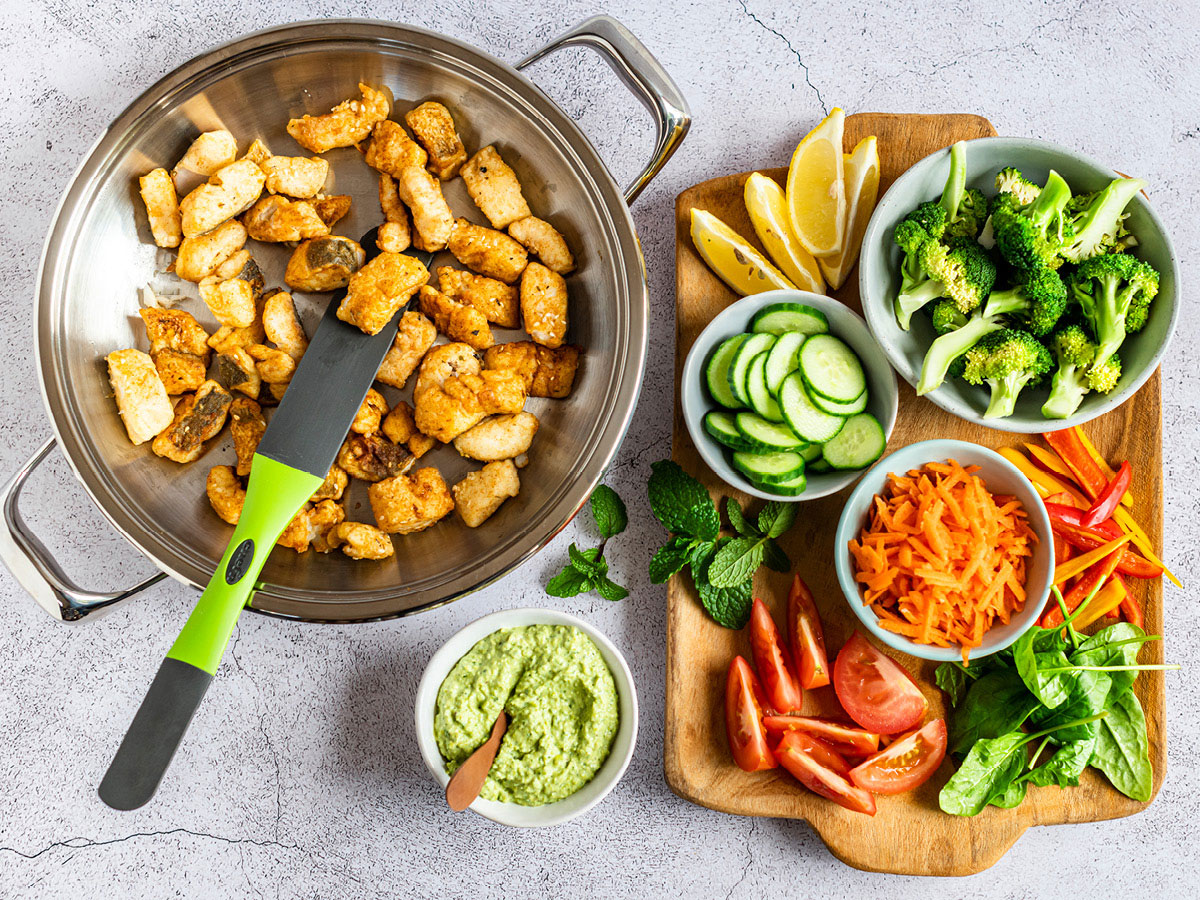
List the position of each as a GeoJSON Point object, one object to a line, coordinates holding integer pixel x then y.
{"type": "Point", "coordinates": [941, 559]}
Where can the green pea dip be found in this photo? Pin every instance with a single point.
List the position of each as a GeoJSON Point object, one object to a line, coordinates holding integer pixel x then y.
{"type": "Point", "coordinates": [562, 706]}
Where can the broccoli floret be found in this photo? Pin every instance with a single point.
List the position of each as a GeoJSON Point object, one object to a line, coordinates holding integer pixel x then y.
{"type": "Point", "coordinates": [972, 213]}
{"type": "Point", "coordinates": [965, 209]}
{"type": "Point", "coordinates": [1032, 236]}
{"type": "Point", "coordinates": [1104, 374]}
{"type": "Point", "coordinates": [959, 269]}
{"type": "Point", "coordinates": [1010, 181]}
{"type": "Point", "coordinates": [1036, 303]}
{"type": "Point", "coordinates": [1111, 289]}
{"type": "Point", "coordinates": [947, 317]}
{"type": "Point", "coordinates": [1006, 360]}
{"type": "Point", "coordinates": [1073, 351]}
{"type": "Point", "coordinates": [1098, 220]}
{"type": "Point", "coordinates": [924, 224]}
{"type": "Point", "coordinates": [943, 354]}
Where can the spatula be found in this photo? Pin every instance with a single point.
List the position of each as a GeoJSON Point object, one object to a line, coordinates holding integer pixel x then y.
{"type": "Point", "coordinates": [291, 462]}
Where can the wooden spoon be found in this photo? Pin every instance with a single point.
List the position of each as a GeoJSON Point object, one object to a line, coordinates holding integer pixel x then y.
{"type": "Point", "coordinates": [467, 780]}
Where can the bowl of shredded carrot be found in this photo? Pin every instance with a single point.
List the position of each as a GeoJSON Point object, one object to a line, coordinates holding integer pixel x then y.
{"type": "Point", "coordinates": [944, 551]}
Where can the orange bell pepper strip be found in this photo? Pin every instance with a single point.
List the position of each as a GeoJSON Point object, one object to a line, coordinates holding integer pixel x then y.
{"type": "Point", "coordinates": [1079, 564]}
{"type": "Point", "coordinates": [1109, 472]}
{"type": "Point", "coordinates": [1130, 608]}
{"type": "Point", "coordinates": [1106, 602]}
{"type": "Point", "coordinates": [1045, 483]}
{"type": "Point", "coordinates": [1088, 475]}
{"type": "Point", "coordinates": [1049, 461]}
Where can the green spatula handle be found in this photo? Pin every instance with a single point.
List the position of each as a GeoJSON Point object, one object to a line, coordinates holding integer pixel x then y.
{"type": "Point", "coordinates": [274, 495]}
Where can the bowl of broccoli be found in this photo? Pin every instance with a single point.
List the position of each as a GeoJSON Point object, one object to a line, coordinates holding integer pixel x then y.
{"type": "Point", "coordinates": [1019, 284]}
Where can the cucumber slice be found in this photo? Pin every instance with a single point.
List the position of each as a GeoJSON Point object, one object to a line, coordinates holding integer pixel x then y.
{"type": "Point", "coordinates": [769, 468]}
{"type": "Point", "coordinates": [860, 442]}
{"type": "Point", "coordinates": [831, 369]}
{"type": "Point", "coordinates": [791, 488]}
{"type": "Point", "coordinates": [818, 465]}
{"type": "Point", "coordinates": [721, 426]}
{"type": "Point", "coordinates": [716, 373]}
{"type": "Point", "coordinates": [756, 386]}
{"type": "Point", "coordinates": [739, 365]}
{"type": "Point", "coordinates": [809, 422]}
{"type": "Point", "coordinates": [839, 409]}
{"type": "Point", "coordinates": [783, 358]}
{"type": "Point", "coordinates": [780, 317]}
{"type": "Point", "coordinates": [764, 436]}
{"type": "Point", "coordinates": [810, 452]}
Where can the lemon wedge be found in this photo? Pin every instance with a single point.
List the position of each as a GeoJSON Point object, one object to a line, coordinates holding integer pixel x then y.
{"type": "Point", "coordinates": [732, 257]}
{"type": "Point", "coordinates": [767, 206]}
{"type": "Point", "coordinates": [816, 192]}
{"type": "Point", "coordinates": [862, 190]}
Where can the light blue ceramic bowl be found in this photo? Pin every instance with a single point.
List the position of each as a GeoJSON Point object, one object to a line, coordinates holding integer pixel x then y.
{"type": "Point", "coordinates": [1001, 477]}
{"type": "Point", "coordinates": [735, 319]}
{"type": "Point", "coordinates": [879, 278]}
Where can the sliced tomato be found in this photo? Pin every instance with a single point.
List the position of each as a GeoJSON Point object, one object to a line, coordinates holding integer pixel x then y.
{"type": "Point", "coordinates": [807, 637]}
{"type": "Point", "coordinates": [876, 691]}
{"type": "Point", "coordinates": [818, 778]}
{"type": "Point", "coordinates": [906, 763]}
{"type": "Point", "coordinates": [844, 738]}
{"type": "Point", "coordinates": [773, 662]}
{"type": "Point", "coordinates": [743, 719]}
{"type": "Point", "coordinates": [820, 751]}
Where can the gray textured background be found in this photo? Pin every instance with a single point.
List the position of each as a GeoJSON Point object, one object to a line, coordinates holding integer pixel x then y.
{"type": "Point", "coordinates": [303, 778]}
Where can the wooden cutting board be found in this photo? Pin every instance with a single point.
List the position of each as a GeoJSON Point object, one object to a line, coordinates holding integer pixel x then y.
{"type": "Point", "coordinates": [909, 834]}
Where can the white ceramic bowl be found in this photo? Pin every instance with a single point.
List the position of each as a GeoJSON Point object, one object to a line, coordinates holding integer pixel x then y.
{"type": "Point", "coordinates": [844, 323]}
{"type": "Point", "coordinates": [1001, 477]}
{"type": "Point", "coordinates": [587, 796]}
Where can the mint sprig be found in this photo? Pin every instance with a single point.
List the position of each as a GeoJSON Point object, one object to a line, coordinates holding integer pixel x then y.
{"type": "Point", "coordinates": [587, 570]}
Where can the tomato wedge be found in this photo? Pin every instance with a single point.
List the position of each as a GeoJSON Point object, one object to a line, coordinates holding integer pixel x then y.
{"type": "Point", "coordinates": [820, 751]}
{"type": "Point", "coordinates": [819, 778]}
{"type": "Point", "coordinates": [743, 719]}
{"type": "Point", "coordinates": [773, 662]}
{"type": "Point", "coordinates": [906, 763]}
{"type": "Point", "coordinates": [875, 691]}
{"type": "Point", "coordinates": [806, 636]}
{"type": "Point", "coordinates": [842, 737]}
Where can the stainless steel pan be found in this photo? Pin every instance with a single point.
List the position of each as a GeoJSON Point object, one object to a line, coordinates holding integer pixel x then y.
{"type": "Point", "coordinates": [99, 254]}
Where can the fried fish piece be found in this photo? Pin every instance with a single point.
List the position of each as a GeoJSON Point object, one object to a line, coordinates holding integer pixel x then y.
{"type": "Point", "coordinates": [345, 125]}
{"type": "Point", "coordinates": [180, 372]}
{"type": "Point", "coordinates": [333, 486]}
{"type": "Point", "coordinates": [379, 289]}
{"type": "Point", "coordinates": [390, 150]}
{"type": "Point", "coordinates": [544, 305]}
{"type": "Point", "coordinates": [199, 256]}
{"type": "Point", "coordinates": [258, 152]}
{"type": "Point", "coordinates": [332, 208]}
{"type": "Point", "coordinates": [323, 264]}
{"type": "Point", "coordinates": [198, 417]}
{"type": "Point", "coordinates": [323, 518]}
{"type": "Point", "coordinates": [395, 234]}
{"type": "Point", "coordinates": [457, 321]}
{"type": "Point", "coordinates": [142, 400]}
{"type": "Point", "coordinates": [545, 242]}
{"type": "Point", "coordinates": [277, 219]}
{"type": "Point", "coordinates": [481, 493]}
{"type": "Point", "coordinates": [446, 411]}
{"type": "Point", "coordinates": [370, 413]}
{"type": "Point", "coordinates": [445, 361]}
{"type": "Point", "coordinates": [209, 153]}
{"type": "Point", "coordinates": [372, 457]}
{"type": "Point", "coordinates": [434, 128]}
{"type": "Point", "coordinates": [545, 372]}
{"type": "Point", "coordinates": [274, 366]}
{"type": "Point", "coordinates": [297, 176]}
{"type": "Point", "coordinates": [162, 207]}
{"type": "Point", "coordinates": [358, 540]}
{"type": "Point", "coordinates": [498, 437]}
{"type": "Point", "coordinates": [229, 192]}
{"type": "Point", "coordinates": [414, 336]}
{"type": "Point", "coordinates": [487, 251]}
{"type": "Point", "coordinates": [499, 302]}
{"type": "Point", "coordinates": [282, 325]}
{"type": "Point", "coordinates": [247, 426]}
{"type": "Point", "coordinates": [432, 220]}
{"type": "Point", "coordinates": [175, 329]}
{"type": "Point", "coordinates": [225, 493]}
{"type": "Point", "coordinates": [231, 302]}
{"type": "Point", "coordinates": [400, 428]}
{"type": "Point", "coordinates": [296, 535]}
{"type": "Point", "coordinates": [494, 187]}
{"type": "Point", "coordinates": [236, 372]}
{"type": "Point", "coordinates": [406, 504]}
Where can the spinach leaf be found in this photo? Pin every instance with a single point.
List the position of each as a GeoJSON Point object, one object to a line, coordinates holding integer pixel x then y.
{"type": "Point", "coordinates": [995, 704]}
{"type": "Point", "coordinates": [1116, 645]}
{"type": "Point", "coordinates": [987, 773]}
{"type": "Point", "coordinates": [953, 679]}
{"type": "Point", "coordinates": [1066, 765]}
{"type": "Point", "coordinates": [1051, 689]}
{"type": "Point", "coordinates": [1013, 794]}
{"type": "Point", "coordinates": [1122, 749]}
{"type": "Point", "coordinates": [1088, 696]}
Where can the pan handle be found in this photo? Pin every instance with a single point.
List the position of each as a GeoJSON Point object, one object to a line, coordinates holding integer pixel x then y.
{"type": "Point", "coordinates": [640, 72]}
{"type": "Point", "coordinates": [33, 566]}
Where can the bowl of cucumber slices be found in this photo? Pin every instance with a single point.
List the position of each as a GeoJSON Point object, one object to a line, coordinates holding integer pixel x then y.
{"type": "Point", "coordinates": [787, 396]}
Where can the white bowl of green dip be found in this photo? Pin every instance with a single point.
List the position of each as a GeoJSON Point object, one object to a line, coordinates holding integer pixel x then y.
{"type": "Point", "coordinates": [572, 713]}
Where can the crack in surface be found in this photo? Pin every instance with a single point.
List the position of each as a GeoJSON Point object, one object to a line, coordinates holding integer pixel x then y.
{"type": "Point", "coordinates": [796, 53]}
{"type": "Point", "coordinates": [80, 843]}
{"type": "Point", "coordinates": [749, 860]}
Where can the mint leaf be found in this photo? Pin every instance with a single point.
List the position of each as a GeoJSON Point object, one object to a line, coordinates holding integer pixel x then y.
{"type": "Point", "coordinates": [702, 553]}
{"type": "Point", "coordinates": [774, 558]}
{"type": "Point", "coordinates": [729, 607]}
{"type": "Point", "coordinates": [680, 502]}
{"type": "Point", "coordinates": [609, 511]}
{"type": "Point", "coordinates": [669, 559]}
{"type": "Point", "coordinates": [610, 590]}
{"type": "Point", "coordinates": [568, 583]}
{"type": "Point", "coordinates": [776, 518]}
{"type": "Point", "coordinates": [589, 562]}
{"type": "Point", "coordinates": [736, 562]}
{"type": "Point", "coordinates": [737, 518]}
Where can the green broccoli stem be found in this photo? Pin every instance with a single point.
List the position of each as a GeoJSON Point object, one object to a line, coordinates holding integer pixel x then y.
{"type": "Point", "coordinates": [1050, 202]}
{"type": "Point", "coordinates": [948, 347]}
{"type": "Point", "coordinates": [1009, 301]}
{"type": "Point", "coordinates": [1103, 217]}
{"type": "Point", "coordinates": [956, 181]}
{"type": "Point", "coordinates": [1068, 387]}
{"type": "Point", "coordinates": [910, 300]}
{"type": "Point", "coordinates": [1108, 320]}
{"type": "Point", "coordinates": [1004, 394]}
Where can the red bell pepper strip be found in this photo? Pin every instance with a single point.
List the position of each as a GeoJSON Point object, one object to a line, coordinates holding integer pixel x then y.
{"type": "Point", "coordinates": [1131, 609]}
{"type": "Point", "coordinates": [1064, 521]}
{"type": "Point", "coordinates": [1067, 445]}
{"type": "Point", "coordinates": [1110, 498]}
{"type": "Point", "coordinates": [1091, 580]}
